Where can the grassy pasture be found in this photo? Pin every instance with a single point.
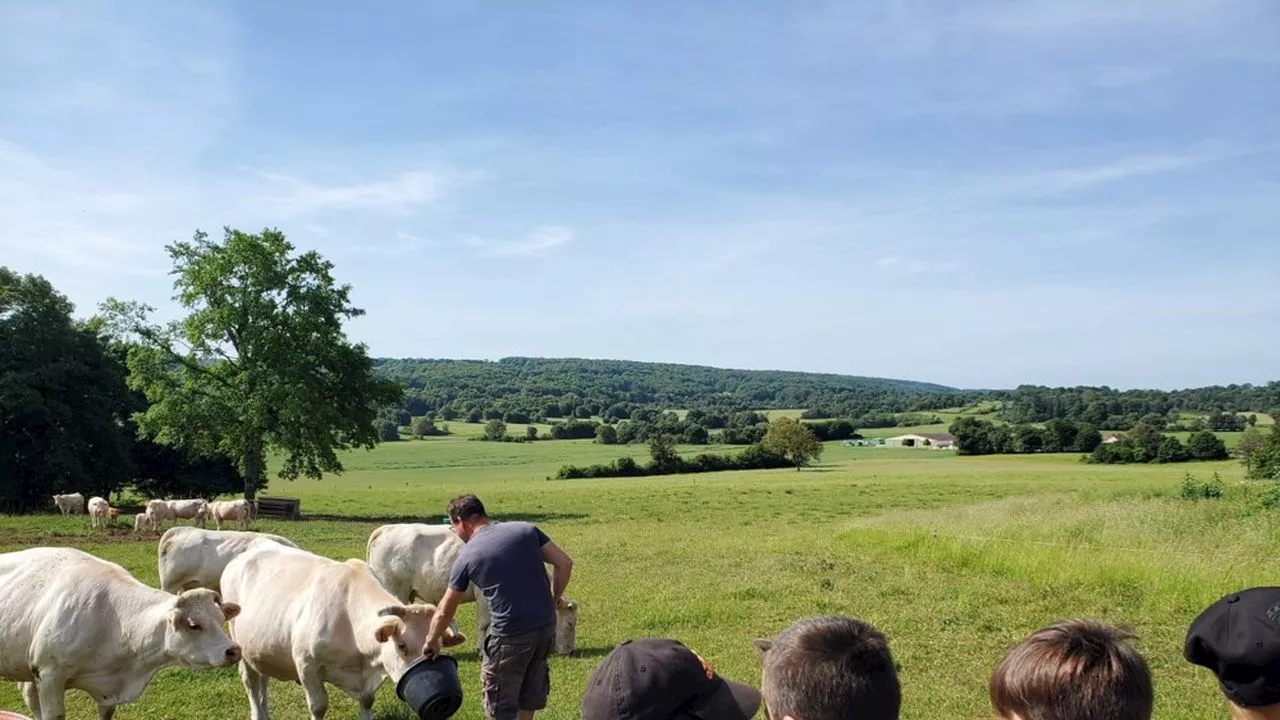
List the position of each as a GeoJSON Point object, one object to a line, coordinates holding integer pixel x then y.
{"type": "Point", "coordinates": [953, 557]}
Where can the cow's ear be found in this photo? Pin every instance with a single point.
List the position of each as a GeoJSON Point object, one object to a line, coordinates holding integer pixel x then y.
{"type": "Point", "coordinates": [762, 644]}
{"type": "Point", "coordinates": [229, 610]}
{"type": "Point", "coordinates": [388, 628]}
{"type": "Point", "coordinates": [451, 639]}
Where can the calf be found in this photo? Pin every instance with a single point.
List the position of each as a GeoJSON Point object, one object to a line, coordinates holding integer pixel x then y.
{"type": "Point", "coordinates": [98, 510]}
{"type": "Point", "coordinates": [311, 620]}
{"type": "Point", "coordinates": [72, 503]}
{"type": "Point", "coordinates": [141, 522]}
{"type": "Point", "coordinates": [414, 560]}
{"type": "Point", "coordinates": [237, 511]}
{"type": "Point", "coordinates": [71, 620]}
{"type": "Point", "coordinates": [191, 557]}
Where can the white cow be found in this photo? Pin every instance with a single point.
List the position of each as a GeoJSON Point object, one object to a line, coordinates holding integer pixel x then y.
{"type": "Point", "coordinates": [195, 509]}
{"type": "Point", "coordinates": [237, 511]}
{"type": "Point", "coordinates": [158, 511]}
{"type": "Point", "coordinates": [71, 620]}
{"type": "Point", "coordinates": [72, 503]}
{"type": "Point", "coordinates": [311, 620]}
{"type": "Point", "coordinates": [414, 560]}
{"type": "Point", "coordinates": [141, 522]}
{"type": "Point", "coordinates": [98, 508]}
{"type": "Point", "coordinates": [190, 557]}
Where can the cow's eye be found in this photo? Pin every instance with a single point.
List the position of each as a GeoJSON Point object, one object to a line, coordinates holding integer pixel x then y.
{"type": "Point", "coordinates": [403, 648]}
{"type": "Point", "coordinates": [193, 625]}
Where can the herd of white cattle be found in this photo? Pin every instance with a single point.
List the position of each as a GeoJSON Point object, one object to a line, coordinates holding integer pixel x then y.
{"type": "Point", "coordinates": [69, 619]}
{"type": "Point", "coordinates": [158, 512]}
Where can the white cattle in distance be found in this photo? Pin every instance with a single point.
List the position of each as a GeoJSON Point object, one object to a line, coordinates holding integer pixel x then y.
{"type": "Point", "coordinates": [69, 504]}
{"type": "Point", "coordinates": [190, 557]}
{"type": "Point", "coordinates": [158, 511]}
{"type": "Point", "coordinates": [415, 560]}
{"type": "Point", "coordinates": [311, 620]}
{"type": "Point", "coordinates": [72, 620]}
{"type": "Point", "coordinates": [194, 509]}
{"type": "Point", "coordinates": [141, 522]}
{"type": "Point", "coordinates": [237, 511]}
{"type": "Point", "coordinates": [98, 511]}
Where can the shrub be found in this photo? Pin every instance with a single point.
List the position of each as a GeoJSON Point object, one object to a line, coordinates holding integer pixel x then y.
{"type": "Point", "coordinates": [1193, 490]}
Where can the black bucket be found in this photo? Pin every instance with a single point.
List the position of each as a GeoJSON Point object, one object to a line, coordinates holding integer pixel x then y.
{"type": "Point", "coordinates": [431, 687]}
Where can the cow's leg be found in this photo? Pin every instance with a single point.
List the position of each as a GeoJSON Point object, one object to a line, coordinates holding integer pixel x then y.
{"type": "Point", "coordinates": [106, 712]}
{"type": "Point", "coordinates": [313, 685]}
{"type": "Point", "coordinates": [51, 689]}
{"type": "Point", "coordinates": [217, 523]}
{"type": "Point", "coordinates": [255, 686]}
{"type": "Point", "coordinates": [366, 706]}
{"type": "Point", "coordinates": [31, 697]}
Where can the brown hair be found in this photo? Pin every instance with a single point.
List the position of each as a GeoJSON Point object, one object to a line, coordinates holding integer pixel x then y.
{"type": "Point", "coordinates": [830, 668]}
{"type": "Point", "coordinates": [1073, 670]}
{"type": "Point", "coordinates": [466, 507]}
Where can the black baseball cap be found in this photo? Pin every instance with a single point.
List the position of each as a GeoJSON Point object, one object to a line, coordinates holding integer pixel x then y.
{"type": "Point", "coordinates": [1238, 638]}
{"type": "Point", "coordinates": [659, 679]}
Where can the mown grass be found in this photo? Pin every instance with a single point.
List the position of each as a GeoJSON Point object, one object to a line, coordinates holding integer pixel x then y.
{"type": "Point", "coordinates": [953, 557]}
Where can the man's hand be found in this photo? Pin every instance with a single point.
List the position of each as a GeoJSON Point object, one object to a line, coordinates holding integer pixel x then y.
{"type": "Point", "coordinates": [432, 646]}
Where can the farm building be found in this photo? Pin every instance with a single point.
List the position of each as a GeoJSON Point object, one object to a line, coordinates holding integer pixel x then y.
{"type": "Point", "coordinates": [864, 442]}
{"type": "Point", "coordinates": [936, 441]}
{"type": "Point", "coordinates": [1111, 438]}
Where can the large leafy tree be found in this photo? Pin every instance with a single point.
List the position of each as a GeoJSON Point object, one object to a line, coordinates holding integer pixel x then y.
{"type": "Point", "coordinates": [259, 362]}
{"type": "Point", "coordinates": [63, 400]}
{"type": "Point", "coordinates": [790, 438]}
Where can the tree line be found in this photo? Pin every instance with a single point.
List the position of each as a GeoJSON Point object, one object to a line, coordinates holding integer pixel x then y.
{"type": "Point", "coordinates": [1144, 443]}
{"type": "Point", "coordinates": [258, 362]}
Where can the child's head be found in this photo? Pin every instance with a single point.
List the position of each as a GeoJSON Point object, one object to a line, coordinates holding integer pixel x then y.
{"type": "Point", "coordinates": [1073, 670]}
{"type": "Point", "coordinates": [829, 668]}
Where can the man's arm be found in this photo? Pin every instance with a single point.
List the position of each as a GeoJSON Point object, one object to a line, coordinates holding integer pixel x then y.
{"type": "Point", "coordinates": [444, 615]}
{"type": "Point", "coordinates": [561, 569]}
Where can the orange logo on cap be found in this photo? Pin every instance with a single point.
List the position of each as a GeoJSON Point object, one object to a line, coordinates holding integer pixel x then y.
{"type": "Point", "coordinates": [706, 666]}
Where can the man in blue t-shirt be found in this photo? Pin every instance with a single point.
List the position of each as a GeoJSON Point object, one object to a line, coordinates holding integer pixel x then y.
{"type": "Point", "coordinates": [505, 563]}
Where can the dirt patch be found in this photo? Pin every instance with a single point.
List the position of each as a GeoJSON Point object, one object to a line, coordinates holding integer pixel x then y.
{"type": "Point", "coordinates": [25, 536]}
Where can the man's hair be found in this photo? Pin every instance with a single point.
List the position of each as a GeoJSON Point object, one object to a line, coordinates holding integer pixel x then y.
{"type": "Point", "coordinates": [1070, 670]}
{"type": "Point", "coordinates": [830, 668]}
{"type": "Point", "coordinates": [466, 507]}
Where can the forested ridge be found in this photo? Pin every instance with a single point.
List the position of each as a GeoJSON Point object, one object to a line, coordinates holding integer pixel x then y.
{"type": "Point", "coordinates": [547, 388]}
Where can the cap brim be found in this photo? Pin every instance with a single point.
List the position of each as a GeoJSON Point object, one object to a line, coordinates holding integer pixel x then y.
{"type": "Point", "coordinates": [729, 701]}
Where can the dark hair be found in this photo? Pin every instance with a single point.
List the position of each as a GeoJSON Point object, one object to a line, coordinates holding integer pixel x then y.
{"type": "Point", "coordinates": [1073, 670]}
{"type": "Point", "coordinates": [830, 668]}
{"type": "Point", "coordinates": [466, 507]}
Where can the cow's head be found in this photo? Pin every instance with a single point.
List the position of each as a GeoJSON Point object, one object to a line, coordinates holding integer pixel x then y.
{"type": "Point", "coordinates": [566, 640]}
{"type": "Point", "coordinates": [402, 631]}
{"type": "Point", "coordinates": [195, 636]}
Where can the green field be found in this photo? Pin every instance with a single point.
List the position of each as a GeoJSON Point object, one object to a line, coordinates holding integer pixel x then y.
{"type": "Point", "coordinates": [954, 558]}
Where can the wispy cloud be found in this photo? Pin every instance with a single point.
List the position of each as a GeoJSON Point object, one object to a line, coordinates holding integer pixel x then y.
{"type": "Point", "coordinates": [537, 242]}
{"type": "Point", "coordinates": [916, 265]}
{"type": "Point", "coordinates": [402, 193]}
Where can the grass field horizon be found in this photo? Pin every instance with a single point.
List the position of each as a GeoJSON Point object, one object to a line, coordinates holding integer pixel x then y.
{"type": "Point", "coordinates": [953, 557]}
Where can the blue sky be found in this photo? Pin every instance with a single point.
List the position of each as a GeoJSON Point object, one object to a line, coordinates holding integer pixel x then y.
{"type": "Point", "coordinates": [981, 193]}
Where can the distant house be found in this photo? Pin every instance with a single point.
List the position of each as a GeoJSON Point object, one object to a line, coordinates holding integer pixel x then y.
{"type": "Point", "coordinates": [1112, 438]}
{"type": "Point", "coordinates": [936, 441]}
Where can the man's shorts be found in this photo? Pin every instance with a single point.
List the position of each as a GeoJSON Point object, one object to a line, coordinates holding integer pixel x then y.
{"type": "Point", "coordinates": [514, 674]}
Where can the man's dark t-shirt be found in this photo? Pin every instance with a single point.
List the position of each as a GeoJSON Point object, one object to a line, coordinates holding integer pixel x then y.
{"type": "Point", "coordinates": [504, 562]}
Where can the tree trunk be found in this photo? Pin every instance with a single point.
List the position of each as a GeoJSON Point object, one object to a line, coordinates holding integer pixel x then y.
{"type": "Point", "coordinates": [252, 470]}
